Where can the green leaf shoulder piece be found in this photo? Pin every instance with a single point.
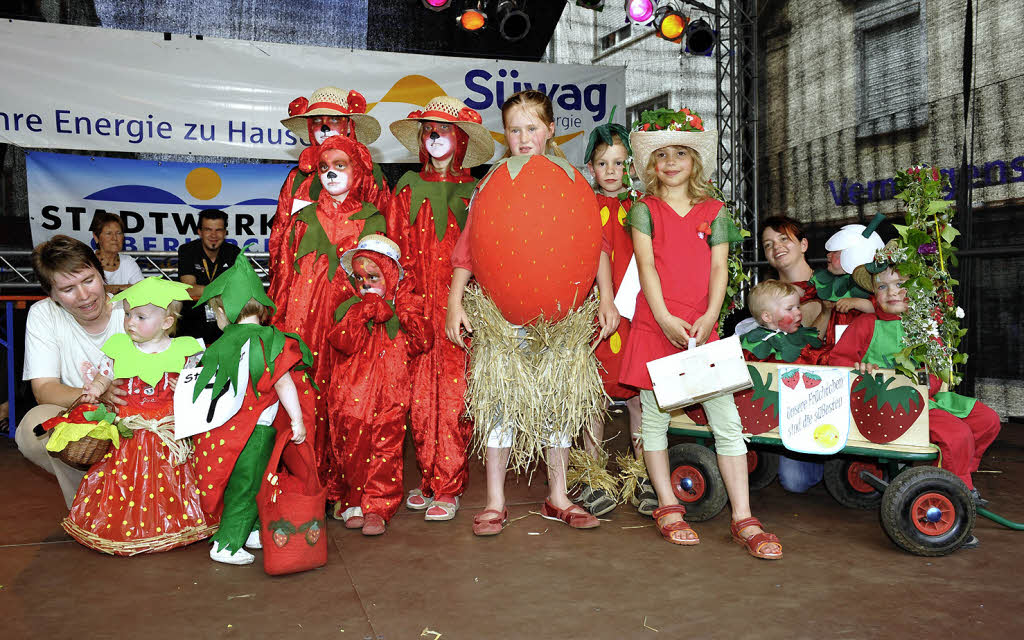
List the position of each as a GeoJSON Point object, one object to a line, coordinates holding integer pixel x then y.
{"type": "Point", "coordinates": [639, 218]}
{"type": "Point", "coordinates": [149, 367]}
{"type": "Point", "coordinates": [443, 197]}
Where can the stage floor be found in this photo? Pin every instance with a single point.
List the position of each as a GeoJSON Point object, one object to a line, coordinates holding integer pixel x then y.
{"type": "Point", "coordinates": [841, 576]}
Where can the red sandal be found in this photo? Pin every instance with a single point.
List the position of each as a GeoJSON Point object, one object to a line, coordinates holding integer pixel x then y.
{"type": "Point", "coordinates": [756, 542]}
{"type": "Point", "coordinates": [670, 528]}
{"type": "Point", "coordinates": [574, 516]}
{"type": "Point", "coordinates": [489, 522]}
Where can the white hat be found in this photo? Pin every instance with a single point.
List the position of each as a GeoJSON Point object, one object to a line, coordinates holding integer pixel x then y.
{"type": "Point", "coordinates": [454, 111]}
{"type": "Point", "coordinates": [378, 244]}
{"type": "Point", "coordinates": [332, 101]}
{"type": "Point", "coordinates": [856, 243]}
{"type": "Point", "coordinates": [670, 132]}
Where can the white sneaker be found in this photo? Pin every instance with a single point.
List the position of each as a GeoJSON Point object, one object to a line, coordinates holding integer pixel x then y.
{"type": "Point", "coordinates": [223, 555]}
{"type": "Point", "coordinates": [253, 541]}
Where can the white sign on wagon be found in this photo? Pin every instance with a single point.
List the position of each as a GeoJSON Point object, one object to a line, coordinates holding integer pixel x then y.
{"type": "Point", "coordinates": [814, 409]}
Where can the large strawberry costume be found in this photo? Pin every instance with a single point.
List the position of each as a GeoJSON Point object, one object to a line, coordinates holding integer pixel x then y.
{"type": "Point", "coordinates": [143, 496]}
{"type": "Point", "coordinates": [370, 388]}
{"type": "Point", "coordinates": [426, 218]}
{"type": "Point", "coordinates": [310, 286]}
{"type": "Point", "coordinates": [328, 112]}
{"type": "Point", "coordinates": [962, 427]}
{"type": "Point", "coordinates": [231, 459]}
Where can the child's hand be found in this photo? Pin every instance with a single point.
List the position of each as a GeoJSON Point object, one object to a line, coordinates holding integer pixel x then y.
{"type": "Point", "coordinates": [455, 320]}
{"type": "Point", "coordinates": [298, 432]}
{"type": "Point", "coordinates": [114, 392]}
{"type": "Point", "coordinates": [677, 331]}
{"type": "Point", "coordinates": [865, 368]}
{"type": "Point", "coordinates": [608, 317]}
{"type": "Point", "coordinates": [172, 382]}
{"type": "Point", "coordinates": [860, 304]}
{"type": "Point", "coordinates": [701, 329]}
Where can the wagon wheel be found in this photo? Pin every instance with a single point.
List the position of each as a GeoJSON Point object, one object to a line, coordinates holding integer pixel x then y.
{"type": "Point", "coordinates": [763, 467]}
{"type": "Point", "coordinates": [843, 481]}
{"type": "Point", "coordinates": [928, 511]}
{"type": "Point", "coordinates": [696, 481]}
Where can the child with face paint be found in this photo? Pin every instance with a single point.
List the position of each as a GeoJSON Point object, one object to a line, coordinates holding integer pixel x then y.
{"type": "Point", "coordinates": [143, 497]}
{"type": "Point", "coordinates": [425, 219]}
{"type": "Point", "coordinates": [378, 330]}
{"type": "Point", "coordinates": [231, 459]}
{"type": "Point", "coordinates": [319, 233]}
{"type": "Point", "coordinates": [779, 336]}
{"type": "Point", "coordinates": [679, 229]}
{"type": "Point", "coordinates": [962, 427]}
{"type": "Point", "coordinates": [329, 112]}
{"type": "Point", "coordinates": [529, 130]}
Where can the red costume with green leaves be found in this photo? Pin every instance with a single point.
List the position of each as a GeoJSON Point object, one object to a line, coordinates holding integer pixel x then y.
{"type": "Point", "coordinates": [307, 283]}
{"type": "Point", "coordinates": [440, 430]}
{"type": "Point", "coordinates": [618, 244]}
{"type": "Point", "coordinates": [369, 394]}
{"type": "Point", "coordinates": [832, 288]}
{"type": "Point", "coordinates": [800, 347]}
{"type": "Point", "coordinates": [962, 427]}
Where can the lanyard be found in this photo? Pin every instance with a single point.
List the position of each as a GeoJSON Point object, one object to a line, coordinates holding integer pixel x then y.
{"type": "Point", "coordinates": [206, 268]}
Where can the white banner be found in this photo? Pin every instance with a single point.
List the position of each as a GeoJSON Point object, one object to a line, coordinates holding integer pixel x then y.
{"type": "Point", "coordinates": [814, 409]}
{"type": "Point", "coordinates": [110, 90]}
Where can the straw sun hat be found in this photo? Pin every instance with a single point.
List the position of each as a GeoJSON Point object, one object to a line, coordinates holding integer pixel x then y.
{"type": "Point", "coordinates": [451, 110]}
{"type": "Point", "coordinates": [377, 243]}
{"type": "Point", "coordinates": [665, 128]}
{"type": "Point", "coordinates": [332, 101]}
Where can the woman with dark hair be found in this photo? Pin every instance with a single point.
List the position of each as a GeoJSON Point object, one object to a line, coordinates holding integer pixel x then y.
{"type": "Point", "coordinates": [121, 271]}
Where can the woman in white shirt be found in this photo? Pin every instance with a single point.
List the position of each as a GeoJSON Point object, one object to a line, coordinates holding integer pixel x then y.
{"type": "Point", "coordinates": [120, 271]}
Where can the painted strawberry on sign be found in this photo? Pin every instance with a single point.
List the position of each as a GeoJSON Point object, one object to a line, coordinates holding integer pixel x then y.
{"type": "Point", "coordinates": [811, 380]}
{"type": "Point", "coordinates": [790, 378]}
{"type": "Point", "coordinates": [758, 407]}
{"type": "Point", "coordinates": [281, 531]}
{"type": "Point", "coordinates": [883, 414]}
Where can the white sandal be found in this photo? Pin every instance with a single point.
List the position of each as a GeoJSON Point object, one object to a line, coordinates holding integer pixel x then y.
{"type": "Point", "coordinates": [449, 509]}
{"type": "Point", "coordinates": [416, 506]}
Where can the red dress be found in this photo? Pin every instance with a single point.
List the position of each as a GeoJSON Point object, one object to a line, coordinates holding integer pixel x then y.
{"type": "Point", "coordinates": [440, 430]}
{"type": "Point", "coordinates": [618, 244]}
{"type": "Point", "coordinates": [682, 258]}
{"type": "Point", "coordinates": [369, 397]}
{"type": "Point", "coordinates": [306, 300]}
{"type": "Point", "coordinates": [139, 499]}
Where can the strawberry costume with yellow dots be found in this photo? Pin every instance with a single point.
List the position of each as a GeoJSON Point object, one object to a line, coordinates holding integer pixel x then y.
{"type": "Point", "coordinates": [143, 497]}
{"type": "Point", "coordinates": [231, 459]}
{"type": "Point", "coordinates": [425, 219]}
{"type": "Point", "coordinates": [370, 386]}
{"type": "Point", "coordinates": [308, 288]}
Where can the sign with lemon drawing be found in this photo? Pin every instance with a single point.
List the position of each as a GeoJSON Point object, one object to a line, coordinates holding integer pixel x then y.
{"type": "Point", "coordinates": [814, 409]}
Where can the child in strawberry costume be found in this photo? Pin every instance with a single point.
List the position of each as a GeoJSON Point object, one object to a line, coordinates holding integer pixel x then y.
{"type": "Point", "coordinates": [231, 459]}
{"type": "Point", "coordinates": [962, 427]}
{"type": "Point", "coordinates": [308, 287]}
{"type": "Point", "coordinates": [679, 228]}
{"type": "Point", "coordinates": [378, 329]}
{"type": "Point", "coordinates": [780, 336]}
{"type": "Point", "coordinates": [143, 497]}
{"type": "Point", "coordinates": [329, 112]}
{"type": "Point", "coordinates": [425, 219]}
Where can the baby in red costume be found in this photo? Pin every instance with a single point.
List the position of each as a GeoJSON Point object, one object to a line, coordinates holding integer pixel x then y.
{"type": "Point", "coordinates": [369, 393]}
{"type": "Point", "coordinates": [426, 217]}
{"type": "Point", "coordinates": [309, 284]}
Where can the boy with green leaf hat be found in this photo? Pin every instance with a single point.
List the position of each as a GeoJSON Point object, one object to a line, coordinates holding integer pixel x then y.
{"type": "Point", "coordinates": [269, 368]}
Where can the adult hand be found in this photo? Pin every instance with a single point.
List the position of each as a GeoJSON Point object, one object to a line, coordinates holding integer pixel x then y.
{"type": "Point", "coordinates": [701, 329]}
{"type": "Point", "coordinates": [454, 322]}
{"type": "Point", "coordinates": [114, 393]}
{"type": "Point", "coordinates": [677, 331]}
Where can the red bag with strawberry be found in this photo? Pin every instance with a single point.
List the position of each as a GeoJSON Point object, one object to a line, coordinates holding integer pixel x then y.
{"type": "Point", "coordinates": [291, 506]}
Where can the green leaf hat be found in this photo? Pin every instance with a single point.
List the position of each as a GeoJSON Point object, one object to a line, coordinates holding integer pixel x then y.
{"type": "Point", "coordinates": [236, 286]}
{"type": "Point", "coordinates": [154, 290]}
{"type": "Point", "coordinates": [606, 134]}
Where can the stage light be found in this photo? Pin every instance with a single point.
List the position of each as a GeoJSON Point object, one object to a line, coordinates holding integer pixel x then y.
{"type": "Point", "coordinates": [472, 19]}
{"type": "Point", "coordinates": [640, 11]}
{"type": "Point", "coordinates": [700, 38]}
{"type": "Point", "coordinates": [512, 23]}
{"type": "Point", "coordinates": [669, 23]}
{"type": "Point", "coordinates": [596, 5]}
{"type": "Point", "coordinates": [436, 5]}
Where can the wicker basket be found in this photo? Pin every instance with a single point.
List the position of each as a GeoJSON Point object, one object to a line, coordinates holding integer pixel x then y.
{"type": "Point", "coordinates": [83, 453]}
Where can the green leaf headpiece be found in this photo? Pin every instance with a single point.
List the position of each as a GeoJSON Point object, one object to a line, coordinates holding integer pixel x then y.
{"type": "Point", "coordinates": [236, 285]}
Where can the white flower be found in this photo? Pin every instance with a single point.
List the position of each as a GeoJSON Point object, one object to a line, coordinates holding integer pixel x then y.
{"type": "Point", "coordinates": [959, 312]}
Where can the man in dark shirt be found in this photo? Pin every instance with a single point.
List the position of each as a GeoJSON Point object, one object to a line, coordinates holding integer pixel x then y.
{"type": "Point", "coordinates": [199, 262]}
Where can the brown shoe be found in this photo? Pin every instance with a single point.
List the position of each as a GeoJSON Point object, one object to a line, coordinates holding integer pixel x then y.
{"type": "Point", "coordinates": [489, 522]}
{"type": "Point", "coordinates": [373, 525]}
{"type": "Point", "coordinates": [575, 516]}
